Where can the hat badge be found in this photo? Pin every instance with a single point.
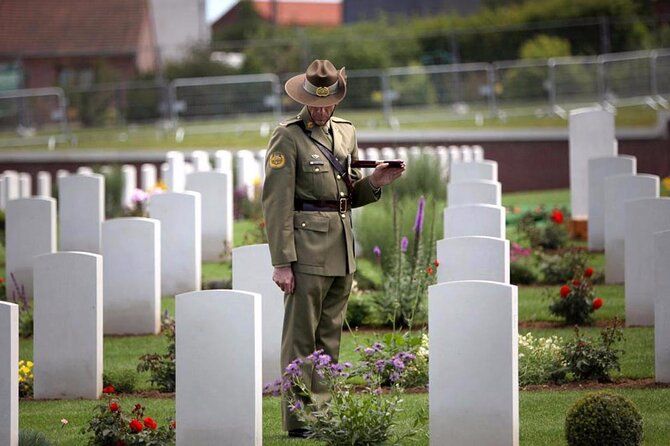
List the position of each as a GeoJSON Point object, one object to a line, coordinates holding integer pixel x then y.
{"type": "Point", "coordinates": [322, 91]}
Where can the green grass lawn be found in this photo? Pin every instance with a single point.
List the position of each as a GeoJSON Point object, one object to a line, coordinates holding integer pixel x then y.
{"type": "Point", "coordinates": [244, 132]}
{"type": "Point", "coordinates": [542, 416]}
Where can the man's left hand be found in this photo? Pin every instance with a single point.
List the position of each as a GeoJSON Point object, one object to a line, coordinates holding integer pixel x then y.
{"type": "Point", "coordinates": [383, 174]}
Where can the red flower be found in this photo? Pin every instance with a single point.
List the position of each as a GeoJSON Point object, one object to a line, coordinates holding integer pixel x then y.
{"type": "Point", "coordinates": [588, 272]}
{"type": "Point", "coordinates": [597, 303]}
{"type": "Point", "coordinates": [565, 290]}
{"type": "Point", "coordinates": [2, 280]}
{"type": "Point", "coordinates": [557, 216]}
{"type": "Point", "coordinates": [114, 406]}
{"type": "Point", "coordinates": [136, 425]}
{"type": "Point", "coordinates": [429, 270]}
{"type": "Point", "coordinates": [109, 389]}
{"type": "Point", "coordinates": [576, 282]}
{"type": "Point", "coordinates": [173, 424]}
{"type": "Point", "coordinates": [436, 263]}
{"type": "Point", "coordinates": [150, 423]}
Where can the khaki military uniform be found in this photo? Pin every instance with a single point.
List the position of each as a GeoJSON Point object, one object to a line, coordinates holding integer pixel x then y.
{"type": "Point", "coordinates": [319, 245]}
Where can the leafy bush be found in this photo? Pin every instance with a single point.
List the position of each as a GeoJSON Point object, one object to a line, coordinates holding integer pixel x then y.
{"type": "Point", "coordinates": [30, 437]}
{"type": "Point", "coordinates": [365, 417]}
{"type": "Point", "coordinates": [113, 187]}
{"type": "Point", "coordinates": [359, 308]}
{"type": "Point", "coordinates": [521, 269]}
{"type": "Point", "coordinates": [540, 360]}
{"type": "Point", "coordinates": [112, 426]}
{"type": "Point", "coordinates": [411, 270]}
{"type": "Point", "coordinates": [576, 300]}
{"type": "Point", "coordinates": [162, 366]}
{"type": "Point", "coordinates": [587, 358]}
{"type": "Point", "coordinates": [257, 234]}
{"type": "Point", "coordinates": [20, 298]}
{"type": "Point", "coordinates": [401, 359]}
{"type": "Point", "coordinates": [562, 266]}
{"type": "Point", "coordinates": [26, 379]}
{"type": "Point", "coordinates": [543, 229]}
{"type": "Point", "coordinates": [124, 381]}
{"type": "Point", "coordinates": [602, 419]}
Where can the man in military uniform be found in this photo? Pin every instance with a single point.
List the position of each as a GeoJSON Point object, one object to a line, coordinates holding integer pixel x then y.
{"type": "Point", "coordinates": [308, 195]}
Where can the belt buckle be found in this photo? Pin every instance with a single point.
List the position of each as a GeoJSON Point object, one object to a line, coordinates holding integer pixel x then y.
{"type": "Point", "coordinates": [343, 205]}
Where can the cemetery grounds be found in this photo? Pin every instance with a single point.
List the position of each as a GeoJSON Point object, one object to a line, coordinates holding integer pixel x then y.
{"type": "Point", "coordinates": [542, 408]}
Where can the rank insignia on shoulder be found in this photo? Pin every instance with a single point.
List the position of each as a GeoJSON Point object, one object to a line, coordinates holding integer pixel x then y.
{"type": "Point", "coordinates": [310, 125]}
{"type": "Point", "coordinates": [277, 160]}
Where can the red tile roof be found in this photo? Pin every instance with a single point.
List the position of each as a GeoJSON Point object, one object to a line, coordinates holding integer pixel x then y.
{"type": "Point", "coordinates": [71, 27]}
{"type": "Point", "coordinates": [301, 13]}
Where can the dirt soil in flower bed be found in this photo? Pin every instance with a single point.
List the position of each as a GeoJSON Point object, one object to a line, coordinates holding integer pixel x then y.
{"type": "Point", "coordinates": [559, 324]}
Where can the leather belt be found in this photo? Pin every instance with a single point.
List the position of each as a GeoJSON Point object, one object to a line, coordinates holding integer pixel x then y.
{"type": "Point", "coordinates": [342, 205]}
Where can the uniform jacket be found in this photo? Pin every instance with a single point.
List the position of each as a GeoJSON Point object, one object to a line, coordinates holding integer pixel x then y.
{"type": "Point", "coordinates": [314, 242]}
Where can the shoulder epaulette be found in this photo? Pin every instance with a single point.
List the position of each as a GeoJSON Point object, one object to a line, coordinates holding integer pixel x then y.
{"type": "Point", "coordinates": [340, 120]}
{"type": "Point", "coordinates": [289, 121]}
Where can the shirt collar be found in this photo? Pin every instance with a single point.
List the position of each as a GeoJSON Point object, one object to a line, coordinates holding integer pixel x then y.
{"type": "Point", "coordinates": [309, 124]}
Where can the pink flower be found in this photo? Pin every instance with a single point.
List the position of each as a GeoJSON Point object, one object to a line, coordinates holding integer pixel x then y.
{"type": "Point", "coordinates": [139, 196]}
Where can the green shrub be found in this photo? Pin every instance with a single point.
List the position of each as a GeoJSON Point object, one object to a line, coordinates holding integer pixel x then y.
{"type": "Point", "coordinates": [561, 267]}
{"type": "Point", "coordinates": [604, 419]}
{"type": "Point", "coordinates": [113, 185]}
{"type": "Point", "coordinates": [358, 309]}
{"type": "Point", "coordinates": [368, 275]}
{"type": "Point", "coordinates": [576, 301]}
{"type": "Point", "coordinates": [540, 359]}
{"type": "Point", "coordinates": [587, 358]}
{"type": "Point", "coordinates": [544, 229]}
{"type": "Point", "coordinates": [162, 366]}
{"type": "Point", "coordinates": [30, 437]}
{"type": "Point", "coordinates": [123, 381]}
{"type": "Point", "coordinates": [520, 273]}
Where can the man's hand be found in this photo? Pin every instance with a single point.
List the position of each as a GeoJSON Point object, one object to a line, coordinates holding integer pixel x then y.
{"type": "Point", "coordinates": [383, 174]}
{"type": "Point", "coordinates": [283, 277]}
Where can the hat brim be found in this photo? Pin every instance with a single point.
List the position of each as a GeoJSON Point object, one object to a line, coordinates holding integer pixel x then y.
{"type": "Point", "coordinates": [294, 88]}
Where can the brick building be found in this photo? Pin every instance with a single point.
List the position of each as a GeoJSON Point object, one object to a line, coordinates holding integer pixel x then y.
{"type": "Point", "coordinates": [71, 42]}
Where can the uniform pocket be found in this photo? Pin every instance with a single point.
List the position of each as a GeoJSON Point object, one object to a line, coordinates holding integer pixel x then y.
{"type": "Point", "coordinates": [311, 236]}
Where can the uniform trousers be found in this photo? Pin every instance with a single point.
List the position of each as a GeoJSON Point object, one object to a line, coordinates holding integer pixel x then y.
{"type": "Point", "coordinates": [313, 318]}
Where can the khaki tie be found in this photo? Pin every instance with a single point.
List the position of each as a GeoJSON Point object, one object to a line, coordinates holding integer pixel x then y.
{"type": "Point", "coordinates": [326, 131]}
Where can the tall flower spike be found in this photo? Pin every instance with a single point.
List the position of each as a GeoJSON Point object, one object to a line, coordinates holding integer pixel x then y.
{"type": "Point", "coordinates": [404, 243]}
{"type": "Point", "coordinates": [418, 222]}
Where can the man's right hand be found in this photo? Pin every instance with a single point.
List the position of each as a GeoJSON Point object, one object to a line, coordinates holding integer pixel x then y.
{"type": "Point", "coordinates": [284, 278]}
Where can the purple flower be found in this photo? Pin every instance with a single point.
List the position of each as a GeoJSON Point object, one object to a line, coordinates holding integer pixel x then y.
{"type": "Point", "coordinates": [418, 222]}
{"type": "Point", "coordinates": [398, 364]}
{"type": "Point", "coordinates": [369, 351]}
{"type": "Point", "coordinates": [395, 377]}
{"type": "Point", "coordinates": [139, 196]}
{"type": "Point", "coordinates": [377, 391]}
{"type": "Point", "coordinates": [404, 243]}
{"type": "Point", "coordinates": [377, 251]}
{"type": "Point", "coordinates": [380, 364]}
{"type": "Point", "coordinates": [293, 369]}
{"type": "Point", "coordinates": [315, 356]}
{"type": "Point", "coordinates": [296, 406]}
{"type": "Point", "coordinates": [378, 346]}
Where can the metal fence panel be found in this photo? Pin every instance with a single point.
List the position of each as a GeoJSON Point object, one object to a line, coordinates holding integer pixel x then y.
{"type": "Point", "coordinates": [576, 80]}
{"type": "Point", "coordinates": [627, 78]}
{"type": "Point", "coordinates": [521, 83]}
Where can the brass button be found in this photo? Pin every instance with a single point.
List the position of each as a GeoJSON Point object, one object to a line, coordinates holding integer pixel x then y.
{"type": "Point", "coordinates": [339, 177]}
{"type": "Point", "coordinates": [343, 215]}
{"type": "Point", "coordinates": [303, 224]}
{"type": "Point", "coordinates": [316, 170]}
{"type": "Point", "coordinates": [341, 194]}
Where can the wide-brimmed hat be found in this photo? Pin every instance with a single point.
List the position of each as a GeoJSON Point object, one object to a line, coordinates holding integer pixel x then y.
{"type": "Point", "coordinates": [322, 85]}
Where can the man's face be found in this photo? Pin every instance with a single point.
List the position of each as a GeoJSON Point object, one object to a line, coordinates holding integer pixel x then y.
{"type": "Point", "coordinates": [321, 115]}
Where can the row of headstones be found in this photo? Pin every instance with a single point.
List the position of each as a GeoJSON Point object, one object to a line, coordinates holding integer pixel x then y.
{"type": "Point", "coordinates": [472, 317]}
{"type": "Point", "coordinates": [444, 155]}
{"type": "Point", "coordinates": [628, 219]}
{"type": "Point", "coordinates": [237, 332]}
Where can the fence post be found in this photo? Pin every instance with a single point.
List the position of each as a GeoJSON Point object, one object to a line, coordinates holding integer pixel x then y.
{"type": "Point", "coordinates": [653, 80]}
{"type": "Point", "coordinates": [602, 86]}
{"type": "Point", "coordinates": [172, 101]}
{"type": "Point", "coordinates": [491, 79]}
{"type": "Point", "coordinates": [551, 71]}
{"type": "Point", "coordinates": [276, 102]}
{"type": "Point", "coordinates": [387, 99]}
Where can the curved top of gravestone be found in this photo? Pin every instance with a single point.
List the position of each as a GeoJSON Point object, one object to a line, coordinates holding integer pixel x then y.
{"type": "Point", "coordinates": [216, 294]}
{"type": "Point", "coordinates": [81, 178]}
{"type": "Point", "coordinates": [632, 178]}
{"type": "Point", "coordinates": [636, 206]}
{"type": "Point", "coordinates": [131, 222]}
{"type": "Point", "coordinates": [172, 195]}
{"type": "Point", "coordinates": [255, 247]}
{"type": "Point", "coordinates": [613, 158]}
{"type": "Point", "coordinates": [471, 284]}
{"type": "Point", "coordinates": [30, 202]}
{"type": "Point", "coordinates": [72, 257]}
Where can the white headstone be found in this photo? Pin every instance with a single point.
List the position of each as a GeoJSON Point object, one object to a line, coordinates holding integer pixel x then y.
{"type": "Point", "coordinates": [67, 341]}
{"type": "Point", "coordinates": [129, 184]}
{"type": "Point", "coordinates": [591, 136]}
{"type": "Point", "coordinates": [443, 158]}
{"type": "Point", "coordinates": [373, 153]}
{"type": "Point", "coordinates": [474, 171]}
{"type": "Point", "coordinates": [223, 326]}
{"type": "Point", "coordinates": [467, 154]}
{"type": "Point", "coordinates": [30, 231]}
{"type": "Point", "coordinates": [176, 173]}
{"type": "Point", "coordinates": [43, 184]}
{"type": "Point", "coordinates": [415, 152]}
{"type": "Point", "coordinates": [217, 211]}
{"type": "Point", "coordinates": [25, 185]}
{"type": "Point", "coordinates": [599, 169]}
{"type": "Point", "coordinates": [188, 168]}
{"type": "Point", "coordinates": [181, 249]}
{"type": "Point", "coordinates": [81, 210]}
{"type": "Point", "coordinates": [473, 258]}
{"type": "Point", "coordinates": [11, 186]}
{"type": "Point", "coordinates": [84, 170]}
{"type": "Point", "coordinates": [252, 271]}
{"type": "Point", "coordinates": [149, 177]}
{"type": "Point", "coordinates": [132, 271]}
{"type": "Point", "coordinates": [200, 160]}
{"type": "Point", "coordinates": [642, 218]}
{"type": "Point", "coordinates": [474, 192]}
{"type": "Point", "coordinates": [617, 190]}
{"type": "Point", "coordinates": [9, 376]}
{"type": "Point", "coordinates": [388, 153]}
{"type": "Point", "coordinates": [662, 306]}
{"type": "Point", "coordinates": [454, 155]}
{"type": "Point", "coordinates": [402, 153]}
{"type": "Point", "coordinates": [223, 161]}
{"type": "Point", "coordinates": [474, 219]}
{"type": "Point", "coordinates": [474, 385]}
{"type": "Point", "coordinates": [248, 173]}
{"type": "Point", "coordinates": [478, 153]}
{"type": "Point", "coordinates": [260, 159]}
{"type": "Point", "coordinates": [60, 173]}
